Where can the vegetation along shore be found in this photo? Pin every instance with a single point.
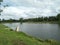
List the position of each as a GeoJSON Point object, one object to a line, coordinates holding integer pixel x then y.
{"type": "Point", "coordinates": [10, 37]}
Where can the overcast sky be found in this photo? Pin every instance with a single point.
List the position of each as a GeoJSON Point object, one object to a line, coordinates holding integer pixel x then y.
{"type": "Point", "coordinates": [30, 8]}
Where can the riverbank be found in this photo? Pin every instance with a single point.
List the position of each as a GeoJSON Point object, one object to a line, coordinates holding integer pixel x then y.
{"type": "Point", "coordinates": [51, 22]}
{"type": "Point", "coordinates": [10, 37]}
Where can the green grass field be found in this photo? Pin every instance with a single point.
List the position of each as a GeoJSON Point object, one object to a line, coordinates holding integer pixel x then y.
{"type": "Point", "coordinates": [9, 37]}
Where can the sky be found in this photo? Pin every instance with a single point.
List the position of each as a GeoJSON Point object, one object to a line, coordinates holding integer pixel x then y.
{"type": "Point", "coordinates": [29, 8]}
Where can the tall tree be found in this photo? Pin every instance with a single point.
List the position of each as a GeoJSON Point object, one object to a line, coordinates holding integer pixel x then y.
{"type": "Point", "coordinates": [58, 17]}
{"type": "Point", "coordinates": [1, 0]}
{"type": "Point", "coordinates": [0, 6]}
{"type": "Point", "coordinates": [21, 20]}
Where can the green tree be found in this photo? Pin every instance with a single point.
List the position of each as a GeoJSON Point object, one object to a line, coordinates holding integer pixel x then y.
{"type": "Point", "coordinates": [45, 18]}
{"type": "Point", "coordinates": [21, 20]}
{"type": "Point", "coordinates": [58, 18]}
{"type": "Point", "coordinates": [0, 7]}
{"type": "Point", "coordinates": [1, 0]}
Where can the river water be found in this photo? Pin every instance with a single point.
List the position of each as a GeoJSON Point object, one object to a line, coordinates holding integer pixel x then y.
{"type": "Point", "coordinates": [38, 30]}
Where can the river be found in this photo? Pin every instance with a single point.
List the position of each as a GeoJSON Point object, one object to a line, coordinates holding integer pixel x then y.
{"type": "Point", "coordinates": [38, 30]}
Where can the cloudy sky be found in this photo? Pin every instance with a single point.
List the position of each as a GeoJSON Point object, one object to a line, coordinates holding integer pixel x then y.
{"type": "Point", "coordinates": [30, 8]}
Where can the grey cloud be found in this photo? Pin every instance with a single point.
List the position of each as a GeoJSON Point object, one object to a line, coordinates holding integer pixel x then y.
{"type": "Point", "coordinates": [36, 7]}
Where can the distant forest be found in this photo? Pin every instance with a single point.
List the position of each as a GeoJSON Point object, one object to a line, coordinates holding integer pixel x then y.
{"type": "Point", "coordinates": [39, 19]}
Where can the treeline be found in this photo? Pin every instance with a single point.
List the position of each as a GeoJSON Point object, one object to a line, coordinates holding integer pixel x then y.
{"type": "Point", "coordinates": [39, 19]}
{"type": "Point", "coordinates": [10, 20]}
{"type": "Point", "coordinates": [44, 19]}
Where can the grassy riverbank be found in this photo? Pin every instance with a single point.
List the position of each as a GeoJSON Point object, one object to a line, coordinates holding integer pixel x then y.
{"type": "Point", "coordinates": [9, 37]}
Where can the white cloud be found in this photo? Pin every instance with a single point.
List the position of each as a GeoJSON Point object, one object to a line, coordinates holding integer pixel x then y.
{"type": "Point", "coordinates": [31, 8]}
{"type": "Point", "coordinates": [16, 11]}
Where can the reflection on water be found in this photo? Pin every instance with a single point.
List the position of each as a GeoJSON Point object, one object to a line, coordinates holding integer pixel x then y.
{"type": "Point", "coordinates": [44, 31]}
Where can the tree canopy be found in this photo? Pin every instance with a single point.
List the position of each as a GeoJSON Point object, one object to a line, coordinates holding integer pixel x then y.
{"type": "Point", "coordinates": [1, 0]}
{"type": "Point", "coordinates": [0, 7]}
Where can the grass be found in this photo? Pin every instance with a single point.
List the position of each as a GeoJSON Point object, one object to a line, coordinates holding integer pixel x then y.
{"type": "Point", "coordinates": [9, 37]}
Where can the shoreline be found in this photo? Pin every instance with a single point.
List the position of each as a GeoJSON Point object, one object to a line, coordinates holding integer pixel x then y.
{"type": "Point", "coordinates": [26, 39]}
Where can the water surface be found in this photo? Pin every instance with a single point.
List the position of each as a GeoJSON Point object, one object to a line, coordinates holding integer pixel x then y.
{"type": "Point", "coordinates": [38, 30]}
